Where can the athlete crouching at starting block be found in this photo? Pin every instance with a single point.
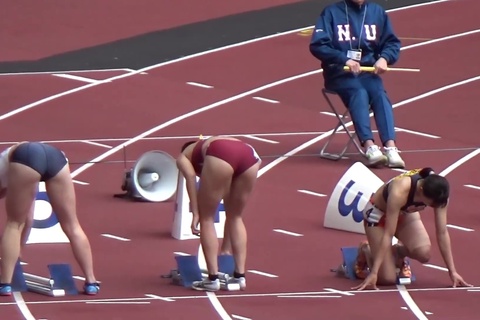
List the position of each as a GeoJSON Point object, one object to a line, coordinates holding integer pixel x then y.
{"type": "Point", "coordinates": [394, 210]}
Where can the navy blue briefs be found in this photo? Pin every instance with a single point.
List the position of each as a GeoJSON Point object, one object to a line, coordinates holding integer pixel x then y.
{"type": "Point", "coordinates": [41, 157]}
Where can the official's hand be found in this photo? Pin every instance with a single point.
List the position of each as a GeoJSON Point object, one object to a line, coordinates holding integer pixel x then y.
{"type": "Point", "coordinates": [370, 281]}
{"type": "Point", "coordinates": [458, 281]}
{"type": "Point", "coordinates": [353, 65]}
{"type": "Point", "coordinates": [195, 224]}
{"type": "Point", "coordinates": [380, 66]}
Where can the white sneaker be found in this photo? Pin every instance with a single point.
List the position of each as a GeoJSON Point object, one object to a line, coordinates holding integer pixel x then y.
{"type": "Point", "coordinates": [206, 285]}
{"type": "Point", "coordinates": [393, 158]}
{"type": "Point", "coordinates": [375, 156]}
{"type": "Point", "coordinates": [241, 281]}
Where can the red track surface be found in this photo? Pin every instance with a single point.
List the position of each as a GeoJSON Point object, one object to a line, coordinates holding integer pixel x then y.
{"type": "Point", "coordinates": [34, 30]}
{"type": "Point", "coordinates": [127, 107]}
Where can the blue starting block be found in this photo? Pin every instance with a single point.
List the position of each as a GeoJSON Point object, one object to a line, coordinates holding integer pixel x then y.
{"type": "Point", "coordinates": [189, 271]}
{"type": "Point", "coordinates": [347, 268]}
{"type": "Point", "coordinates": [59, 284]}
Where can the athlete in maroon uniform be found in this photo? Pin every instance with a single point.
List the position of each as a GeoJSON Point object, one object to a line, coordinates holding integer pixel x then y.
{"type": "Point", "coordinates": [227, 168]}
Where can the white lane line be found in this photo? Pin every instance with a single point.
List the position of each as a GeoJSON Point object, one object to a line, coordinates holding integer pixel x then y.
{"type": "Point", "coordinates": [312, 193]}
{"type": "Point", "coordinates": [235, 316]}
{"type": "Point", "coordinates": [328, 113]}
{"type": "Point", "coordinates": [62, 72]}
{"type": "Point", "coordinates": [345, 293]}
{"type": "Point", "coordinates": [218, 306]}
{"type": "Point", "coordinates": [93, 143]}
{"type": "Point", "coordinates": [288, 232]}
{"type": "Point", "coordinates": [433, 266]}
{"type": "Point", "coordinates": [303, 297]}
{"type": "Point", "coordinates": [117, 302]}
{"type": "Point", "coordinates": [459, 228]}
{"type": "Point", "coordinates": [201, 85]}
{"type": "Point", "coordinates": [107, 235]}
{"type": "Point", "coordinates": [22, 306]}
{"type": "Point", "coordinates": [178, 253]}
{"type": "Point", "coordinates": [77, 78]}
{"type": "Point", "coordinates": [472, 186]}
{"type": "Point", "coordinates": [410, 303]}
{"type": "Point", "coordinates": [261, 273]}
{"type": "Point", "coordinates": [81, 182]}
{"type": "Point", "coordinates": [260, 139]}
{"type": "Point", "coordinates": [418, 133]}
{"type": "Point", "coordinates": [154, 296]}
{"type": "Point", "coordinates": [266, 100]}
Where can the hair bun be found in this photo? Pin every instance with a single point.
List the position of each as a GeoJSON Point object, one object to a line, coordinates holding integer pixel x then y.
{"type": "Point", "coordinates": [425, 172]}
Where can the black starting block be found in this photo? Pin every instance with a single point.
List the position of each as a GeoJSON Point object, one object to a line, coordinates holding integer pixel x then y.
{"type": "Point", "coordinates": [59, 284]}
{"type": "Point", "coordinates": [189, 271]}
{"type": "Point", "coordinates": [347, 268]}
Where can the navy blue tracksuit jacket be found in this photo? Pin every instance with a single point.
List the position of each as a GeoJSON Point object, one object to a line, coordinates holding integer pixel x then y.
{"type": "Point", "coordinates": [333, 37]}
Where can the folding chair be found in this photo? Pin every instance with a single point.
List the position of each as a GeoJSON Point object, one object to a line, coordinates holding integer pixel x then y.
{"type": "Point", "coordinates": [341, 124]}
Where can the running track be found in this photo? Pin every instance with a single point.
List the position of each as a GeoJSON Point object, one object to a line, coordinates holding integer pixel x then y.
{"type": "Point", "coordinates": [125, 107]}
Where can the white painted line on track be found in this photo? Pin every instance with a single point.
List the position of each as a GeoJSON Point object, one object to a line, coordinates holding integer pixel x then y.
{"type": "Point", "coordinates": [77, 78]}
{"type": "Point", "coordinates": [81, 182]}
{"type": "Point", "coordinates": [201, 85]}
{"type": "Point", "coordinates": [472, 186]}
{"type": "Point", "coordinates": [288, 232]}
{"type": "Point", "coordinates": [428, 265]}
{"type": "Point", "coordinates": [312, 193]}
{"type": "Point", "coordinates": [260, 139]}
{"type": "Point", "coordinates": [107, 235]}
{"type": "Point", "coordinates": [93, 143]}
{"type": "Point", "coordinates": [266, 100]}
{"type": "Point", "coordinates": [452, 226]}
{"type": "Point", "coordinates": [261, 273]}
{"type": "Point", "coordinates": [154, 296]}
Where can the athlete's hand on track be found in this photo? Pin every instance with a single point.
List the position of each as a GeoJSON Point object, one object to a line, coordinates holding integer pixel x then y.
{"type": "Point", "coordinates": [458, 280]}
{"type": "Point", "coordinates": [370, 281]}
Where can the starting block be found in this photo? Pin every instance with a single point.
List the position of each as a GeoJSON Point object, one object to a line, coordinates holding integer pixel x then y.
{"type": "Point", "coordinates": [59, 284]}
{"type": "Point", "coordinates": [347, 268]}
{"type": "Point", "coordinates": [189, 271]}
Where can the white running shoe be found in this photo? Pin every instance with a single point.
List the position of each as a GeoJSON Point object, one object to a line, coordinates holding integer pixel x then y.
{"type": "Point", "coordinates": [241, 281]}
{"type": "Point", "coordinates": [206, 285]}
{"type": "Point", "coordinates": [375, 156]}
{"type": "Point", "coordinates": [393, 158]}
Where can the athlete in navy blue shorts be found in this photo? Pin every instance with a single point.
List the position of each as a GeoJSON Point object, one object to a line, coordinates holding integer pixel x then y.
{"type": "Point", "coordinates": [22, 167]}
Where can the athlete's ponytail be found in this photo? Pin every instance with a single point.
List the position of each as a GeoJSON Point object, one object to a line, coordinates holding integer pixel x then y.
{"type": "Point", "coordinates": [425, 172]}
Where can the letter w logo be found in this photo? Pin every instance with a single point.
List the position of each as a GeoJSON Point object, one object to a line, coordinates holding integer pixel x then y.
{"type": "Point", "coordinates": [345, 209]}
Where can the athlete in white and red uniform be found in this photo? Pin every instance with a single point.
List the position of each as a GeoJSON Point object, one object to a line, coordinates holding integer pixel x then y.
{"type": "Point", "coordinates": [394, 210]}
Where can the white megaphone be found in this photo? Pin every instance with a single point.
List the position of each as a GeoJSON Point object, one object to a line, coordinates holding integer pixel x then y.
{"type": "Point", "coordinates": [153, 177]}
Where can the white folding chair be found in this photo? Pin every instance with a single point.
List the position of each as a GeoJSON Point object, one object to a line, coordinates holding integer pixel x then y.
{"type": "Point", "coordinates": [352, 136]}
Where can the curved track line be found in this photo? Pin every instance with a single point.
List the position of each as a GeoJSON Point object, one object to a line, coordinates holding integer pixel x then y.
{"type": "Point", "coordinates": [155, 66]}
